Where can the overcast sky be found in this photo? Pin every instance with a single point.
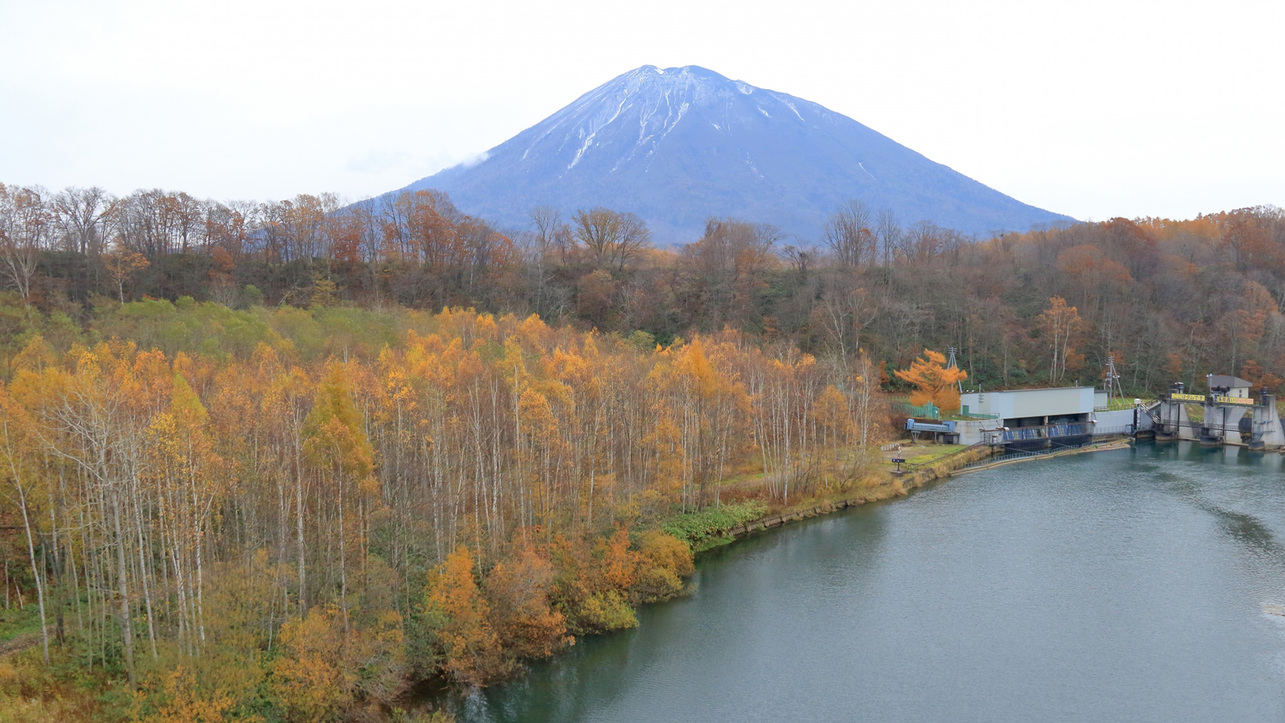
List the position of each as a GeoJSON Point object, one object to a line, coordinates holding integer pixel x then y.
{"type": "Point", "coordinates": [1093, 109]}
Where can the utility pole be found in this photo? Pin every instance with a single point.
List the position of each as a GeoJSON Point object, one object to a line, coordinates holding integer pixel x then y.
{"type": "Point", "coordinates": [950, 364]}
{"type": "Point", "coordinates": [1113, 387]}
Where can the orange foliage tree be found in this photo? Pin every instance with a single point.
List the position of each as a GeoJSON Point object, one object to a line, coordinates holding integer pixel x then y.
{"type": "Point", "coordinates": [518, 591]}
{"type": "Point", "coordinates": [934, 382]}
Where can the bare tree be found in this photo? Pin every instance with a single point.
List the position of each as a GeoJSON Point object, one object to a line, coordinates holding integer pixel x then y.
{"type": "Point", "coordinates": [549, 244]}
{"type": "Point", "coordinates": [302, 225]}
{"type": "Point", "coordinates": [612, 237]}
{"type": "Point", "coordinates": [925, 239]}
{"type": "Point", "coordinates": [232, 226]}
{"type": "Point", "coordinates": [799, 257]}
{"type": "Point", "coordinates": [188, 219]}
{"type": "Point", "coordinates": [24, 225]}
{"type": "Point", "coordinates": [149, 222]}
{"type": "Point", "coordinates": [844, 311]}
{"type": "Point", "coordinates": [83, 217]}
{"type": "Point", "coordinates": [552, 235]}
{"type": "Point", "coordinates": [847, 233]}
{"type": "Point", "coordinates": [733, 246]}
{"type": "Point", "coordinates": [13, 455]}
{"type": "Point", "coordinates": [889, 233]}
{"type": "Point", "coordinates": [368, 216]}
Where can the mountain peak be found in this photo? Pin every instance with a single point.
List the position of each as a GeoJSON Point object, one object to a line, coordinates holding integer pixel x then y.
{"type": "Point", "coordinates": [679, 145]}
{"type": "Point", "coordinates": [687, 77]}
{"type": "Point", "coordinates": [693, 71]}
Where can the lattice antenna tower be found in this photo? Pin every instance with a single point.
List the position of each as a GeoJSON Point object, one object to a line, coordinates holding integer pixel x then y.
{"type": "Point", "coordinates": [1113, 379]}
{"type": "Point", "coordinates": [950, 364]}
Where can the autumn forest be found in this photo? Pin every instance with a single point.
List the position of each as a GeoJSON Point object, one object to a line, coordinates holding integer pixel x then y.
{"type": "Point", "coordinates": [283, 461]}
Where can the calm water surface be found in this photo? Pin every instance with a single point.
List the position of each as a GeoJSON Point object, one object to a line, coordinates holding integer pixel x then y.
{"type": "Point", "coordinates": [1115, 586]}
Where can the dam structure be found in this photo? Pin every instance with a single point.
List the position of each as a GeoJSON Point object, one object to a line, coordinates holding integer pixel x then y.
{"type": "Point", "coordinates": [1227, 414]}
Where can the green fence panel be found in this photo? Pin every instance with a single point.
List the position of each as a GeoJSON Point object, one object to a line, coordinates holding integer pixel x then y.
{"type": "Point", "coordinates": [926, 411]}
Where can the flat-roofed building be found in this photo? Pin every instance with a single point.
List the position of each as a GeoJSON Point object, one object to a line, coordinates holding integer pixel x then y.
{"type": "Point", "coordinates": [1035, 418]}
{"type": "Point", "coordinates": [1032, 407]}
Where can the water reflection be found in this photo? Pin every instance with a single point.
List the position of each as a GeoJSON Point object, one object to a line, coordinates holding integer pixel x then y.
{"type": "Point", "coordinates": [1245, 527]}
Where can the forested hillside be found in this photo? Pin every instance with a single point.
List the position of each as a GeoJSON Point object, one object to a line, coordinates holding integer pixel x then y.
{"type": "Point", "coordinates": [1171, 299]}
{"type": "Point", "coordinates": [280, 461]}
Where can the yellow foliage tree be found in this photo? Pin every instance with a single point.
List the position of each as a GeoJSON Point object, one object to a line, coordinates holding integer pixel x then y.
{"type": "Point", "coordinates": [175, 698]}
{"type": "Point", "coordinates": [309, 677]}
{"type": "Point", "coordinates": [470, 648]}
{"type": "Point", "coordinates": [663, 561]}
{"type": "Point", "coordinates": [933, 381]}
{"type": "Point", "coordinates": [1061, 325]}
{"type": "Point", "coordinates": [830, 410]}
{"type": "Point", "coordinates": [336, 445]}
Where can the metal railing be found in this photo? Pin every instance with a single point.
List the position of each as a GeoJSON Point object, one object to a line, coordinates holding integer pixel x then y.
{"type": "Point", "coordinates": [1006, 457]}
{"type": "Point", "coordinates": [1100, 431]}
{"type": "Point", "coordinates": [1021, 455]}
{"type": "Point", "coordinates": [977, 415]}
{"type": "Point", "coordinates": [1058, 431]}
{"type": "Point", "coordinates": [1050, 431]}
{"type": "Point", "coordinates": [926, 411]}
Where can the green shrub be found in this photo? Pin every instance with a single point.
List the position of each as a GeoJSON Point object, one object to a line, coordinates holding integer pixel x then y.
{"type": "Point", "coordinates": [712, 527]}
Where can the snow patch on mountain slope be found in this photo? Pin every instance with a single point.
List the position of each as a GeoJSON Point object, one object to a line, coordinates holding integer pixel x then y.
{"type": "Point", "coordinates": [593, 133]}
{"type": "Point", "coordinates": [791, 106]}
{"type": "Point", "coordinates": [770, 169]}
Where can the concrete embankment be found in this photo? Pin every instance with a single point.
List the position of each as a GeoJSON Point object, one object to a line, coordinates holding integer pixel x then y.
{"type": "Point", "coordinates": [1096, 447]}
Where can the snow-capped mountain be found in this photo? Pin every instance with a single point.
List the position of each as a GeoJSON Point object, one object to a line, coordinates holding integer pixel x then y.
{"type": "Point", "coordinates": [679, 145]}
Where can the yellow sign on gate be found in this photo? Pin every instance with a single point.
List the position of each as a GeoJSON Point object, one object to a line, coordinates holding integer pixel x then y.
{"type": "Point", "coordinates": [1243, 401]}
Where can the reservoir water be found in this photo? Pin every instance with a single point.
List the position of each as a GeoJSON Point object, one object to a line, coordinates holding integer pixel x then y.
{"type": "Point", "coordinates": [1130, 585]}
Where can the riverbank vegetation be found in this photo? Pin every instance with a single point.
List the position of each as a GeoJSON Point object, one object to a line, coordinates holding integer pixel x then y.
{"type": "Point", "coordinates": [278, 461]}
{"type": "Point", "coordinates": [713, 526]}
